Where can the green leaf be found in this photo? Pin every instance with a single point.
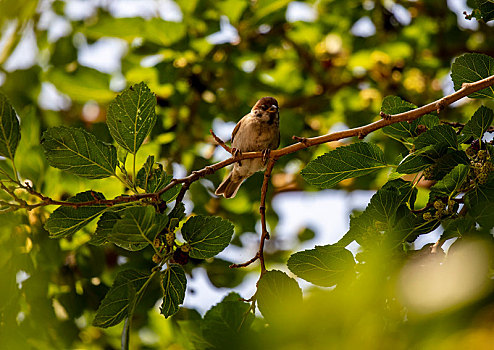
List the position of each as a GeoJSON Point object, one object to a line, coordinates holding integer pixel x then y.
{"type": "Point", "coordinates": [155, 30]}
{"type": "Point", "coordinates": [395, 105]}
{"type": "Point", "coordinates": [137, 227]}
{"type": "Point", "coordinates": [452, 182]}
{"type": "Point", "coordinates": [131, 116]}
{"type": "Point", "coordinates": [438, 135]}
{"type": "Point", "coordinates": [278, 296]}
{"type": "Point", "coordinates": [407, 193]}
{"type": "Point", "coordinates": [105, 225]}
{"type": "Point", "coordinates": [472, 67]}
{"type": "Point", "coordinates": [226, 325]}
{"type": "Point", "coordinates": [79, 152]}
{"type": "Point", "coordinates": [478, 125]}
{"type": "Point", "coordinates": [343, 163]}
{"type": "Point", "coordinates": [457, 227]}
{"type": "Point", "coordinates": [486, 8]}
{"type": "Point", "coordinates": [174, 284]}
{"type": "Point", "coordinates": [429, 120]}
{"type": "Point", "coordinates": [153, 179]}
{"type": "Point", "coordinates": [413, 163]}
{"type": "Point", "coordinates": [9, 129]}
{"type": "Point", "coordinates": [67, 220]}
{"type": "Point", "coordinates": [207, 235]}
{"type": "Point", "coordinates": [125, 292]}
{"type": "Point", "coordinates": [82, 85]}
{"type": "Point", "coordinates": [324, 265]}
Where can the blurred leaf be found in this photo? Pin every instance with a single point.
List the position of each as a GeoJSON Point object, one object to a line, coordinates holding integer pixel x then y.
{"type": "Point", "coordinates": [438, 135]}
{"type": "Point", "coordinates": [345, 162]}
{"type": "Point", "coordinates": [79, 152]}
{"type": "Point", "coordinates": [125, 292]}
{"type": "Point", "coordinates": [82, 85]}
{"type": "Point", "coordinates": [222, 276]}
{"type": "Point", "coordinates": [277, 295]}
{"type": "Point", "coordinates": [137, 227]}
{"type": "Point", "coordinates": [479, 124]}
{"type": "Point", "coordinates": [131, 116]}
{"type": "Point", "coordinates": [67, 220]}
{"type": "Point", "coordinates": [174, 284]}
{"type": "Point", "coordinates": [470, 68]}
{"type": "Point", "coordinates": [451, 184]}
{"type": "Point", "coordinates": [9, 129]}
{"type": "Point", "coordinates": [227, 323]}
{"type": "Point", "coordinates": [324, 265]}
{"type": "Point", "coordinates": [267, 7]}
{"type": "Point", "coordinates": [207, 236]}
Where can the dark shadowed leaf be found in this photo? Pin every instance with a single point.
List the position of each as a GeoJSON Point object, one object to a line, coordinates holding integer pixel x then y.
{"type": "Point", "coordinates": [9, 129]}
{"type": "Point", "coordinates": [451, 183]}
{"type": "Point", "coordinates": [438, 135]}
{"type": "Point", "coordinates": [278, 295]}
{"type": "Point", "coordinates": [207, 236]}
{"type": "Point", "coordinates": [343, 163]}
{"type": "Point", "coordinates": [152, 178]}
{"type": "Point", "coordinates": [137, 227]}
{"type": "Point", "coordinates": [121, 298]}
{"type": "Point", "coordinates": [79, 152]}
{"type": "Point", "coordinates": [395, 105]}
{"type": "Point", "coordinates": [131, 116]}
{"type": "Point", "coordinates": [226, 325]}
{"type": "Point", "coordinates": [457, 227]}
{"type": "Point", "coordinates": [472, 67]}
{"type": "Point", "coordinates": [66, 220]}
{"type": "Point", "coordinates": [174, 283]}
{"type": "Point", "coordinates": [323, 265]}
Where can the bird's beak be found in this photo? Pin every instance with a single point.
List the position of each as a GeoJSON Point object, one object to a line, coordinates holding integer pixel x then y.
{"type": "Point", "coordinates": [273, 108]}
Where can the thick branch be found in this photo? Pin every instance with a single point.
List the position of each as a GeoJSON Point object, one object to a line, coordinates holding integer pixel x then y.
{"type": "Point", "coordinates": [360, 132]}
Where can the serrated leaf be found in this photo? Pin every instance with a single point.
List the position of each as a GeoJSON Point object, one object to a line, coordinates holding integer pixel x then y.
{"type": "Point", "coordinates": [9, 129]}
{"type": "Point", "coordinates": [153, 179]}
{"type": "Point", "coordinates": [227, 323]}
{"type": "Point", "coordinates": [137, 227]}
{"type": "Point", "coordinates": [343, 163]}
{"type": "Point", "coordinates": [125, 292]}
{"type": "Point", "coordinates": [131, 116]}
{"type": "Point", "coordinates": [278, 295]}
{"type": "Point", "coordinates": [472, 67]}
{"type": "Point", "coordinates": [105, 225]}
{"type": "Point", "coordinates": [409, 227]}
{"type": "Point", "coordinates": [429, 120]}
{"type": "Point", "coordinates": [438, 135]}
{"type": "Point", "coordinates": [452, 182]}
{"type": "Point", "coordinates": [174, 284]}
{"type": "Point", "coordinates": [395, 105]}
{"type": "Point", "coordinates": [207, 235]}
{"type": "Point", "coordinates": [478, 124]}
{"type": "Point", "coordinates": [67, 220]}
{"type": "Point", "coordinates": [324, 265]}
{"type": "Point", "coordinates": [79, 152]}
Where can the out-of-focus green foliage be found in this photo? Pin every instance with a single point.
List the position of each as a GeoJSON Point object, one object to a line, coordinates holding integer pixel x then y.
{"type": "Point", "coordinates": [325, 77]}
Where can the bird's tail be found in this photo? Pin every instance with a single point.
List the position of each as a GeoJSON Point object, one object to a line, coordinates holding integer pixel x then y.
{"type": "Point", "coordinates": [229, 187]}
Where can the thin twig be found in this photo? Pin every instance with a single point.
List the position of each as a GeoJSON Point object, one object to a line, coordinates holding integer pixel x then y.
{"type": "Point", "coordinates": [220, 141]}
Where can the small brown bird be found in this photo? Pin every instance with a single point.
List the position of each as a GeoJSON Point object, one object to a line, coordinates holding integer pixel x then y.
{"type": "Point", "coordinates": [257, 131]}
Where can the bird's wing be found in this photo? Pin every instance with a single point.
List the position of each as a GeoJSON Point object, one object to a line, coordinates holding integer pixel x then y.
{"type": "Point", "coordinates": [235, 130]}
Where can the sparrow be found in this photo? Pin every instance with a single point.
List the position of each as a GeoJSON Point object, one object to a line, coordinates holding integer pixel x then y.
{"type": "Point", "coordinates": [257, 131]}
